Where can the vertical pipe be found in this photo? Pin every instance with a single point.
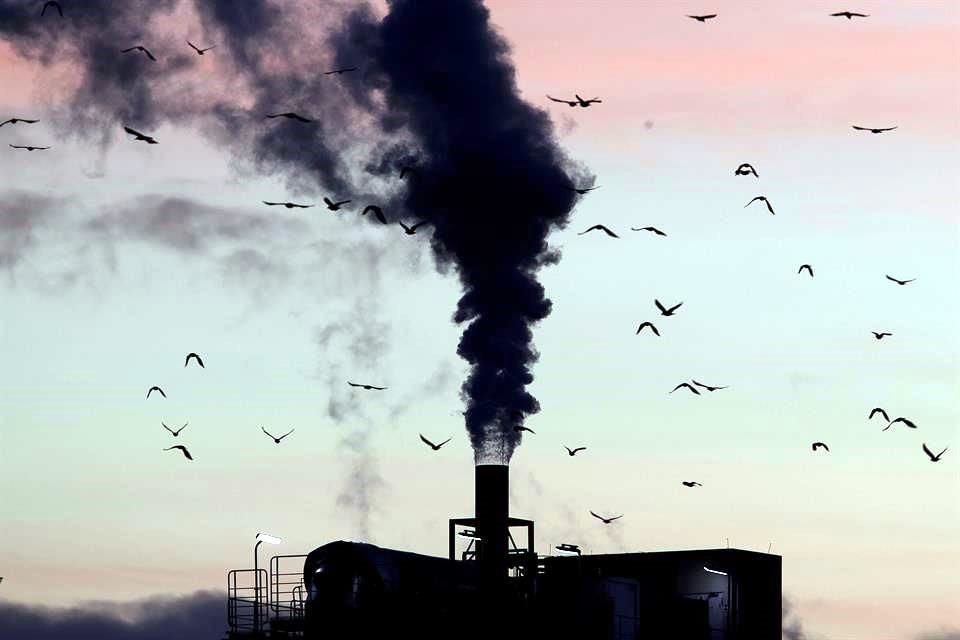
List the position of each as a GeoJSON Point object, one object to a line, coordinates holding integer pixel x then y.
{"type": "Point", "coordinates": [492, 496]}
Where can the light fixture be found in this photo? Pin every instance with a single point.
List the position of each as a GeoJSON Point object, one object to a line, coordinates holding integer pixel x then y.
{"type": "Point", "coordinates": [269, 539]}
{"type": "Point", "coordinates": [569, 548]}
{"type": "Point", "coordinates": [722, 573]}
{"type": "Point", "coordinates": [469, 533]}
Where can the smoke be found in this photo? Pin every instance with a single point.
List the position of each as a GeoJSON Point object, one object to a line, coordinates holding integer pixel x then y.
{"type": "Point", "coordinates": [790, 624]}
{"type": "Point", "coordinates": [22, 215]}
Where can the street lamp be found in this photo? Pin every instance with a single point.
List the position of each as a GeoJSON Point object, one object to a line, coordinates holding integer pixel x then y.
{"type": "Point", "coordinates": [261, 538]}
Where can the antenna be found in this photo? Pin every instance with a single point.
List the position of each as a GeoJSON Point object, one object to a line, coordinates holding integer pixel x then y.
{"type": "Point", "coordinates": [769, 546]}
{"type": "Point", "coordinates": [728, 543]}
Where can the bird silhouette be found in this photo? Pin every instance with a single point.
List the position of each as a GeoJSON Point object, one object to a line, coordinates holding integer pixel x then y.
{"type": "Point", "coordinates": [376, 211]}
{"type": "Point", "coordinates": [849, 15]}
{"type": "Point", "coordinates": [195, 357]}
{"type": "Point", "coordinates": [606, 520]}
{"type": "Point", "coordinates": [435, 447]}
{"type": "Point", "coordinates": [807, 267]}
{"type": "Point", "coordinates": [764, 200]}
{"type": "Point", "coordinates": [54, 4]}
{"type": "Point", "coordinates": [339, 71]}
{"type": "Point", "coordinates": [647, 324]}
{"type": "Point", "coordinates": [411, 229]}
{"type": "Point", "coordinates": [691, 484]}
{"type": "Point", "coordinates": [288, 205]}
{"type": "Point", "coordinates": [746, 169]}
{"type": "Point", "coordinates": [688, 386]}
{"type": "Point", "coordinates": [142, 48]}
{"type": "Point", "coordinates": [519, 429]}
{"type": "Point", "coordinates": [703, 18]}
{"type": "Point", "coordinates": [579, 102]}
{"type": "Point", "coordinates": [904, 421]}
{"type": "Point", "coordinates": [290, 115]}
{"type": "Point", "coordinates": [182, 448]}
{"type": "Point", "coordinates": [18, 121]}
{"type": "Point", "coordinates": [877, 410]}
{"type": "Point", "coordinates": [28, 148]}
{"type": "Point", "coordinates": [706, 386]}
{"type": "Point", "coordinates": [583, 191]}
{"type": "Point", "coordinates": [335, 206]}
{"type": "Point", "coordinates": [368, 387]}
{"type": "Point", "coordinates": [653, 229]}
{"type": "Point", "coordinates": [880, 130]}
{"type": "Point", "coordinates": [155, 388]}
{"type": "Point", "coordinates": [933, 458]}
{"type": "Point", "coordinates": [573, 452]}
{"type": "Point", "coordinates": [277, 440]}
{"type": "Point", "coordinates": [881, 334]}
{"type": "Point", "coordinates": [819, 445]}
{"type": "Point", "coordinates": [664, 311]}
{"type": "Point", "coordinates": [177, 432]}
{"type": "Point", "coordinates": [600, 227]}
{"type": "Point", "coordinates": [199, 51]}
{"type": "Point", "coordinates": [137, 136]}
{"type": "Point", "coordinates": [900, 282]}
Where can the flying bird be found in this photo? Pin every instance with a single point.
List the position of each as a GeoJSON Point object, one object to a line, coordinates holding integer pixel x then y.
{"type": "Point", "coordinates": [339, 71]}
{"type": "Point", "coordinates": [762, 199]}
{"type": "Point", "coordinates": [519, 429]}
{"type": "Point", "coordinates": [905, 421]}
{"type": "Point", "coordinates": [706, 386]}
{"type": "Point", "coordinates": [647, 324]}
{"type": "Point", "coordinates": [807, 267]}
{"type": "Point", "coordinates": [17, 121]}
{"type": "Point", "coordinates": [137, 136]}
{"type": "Point", "coordinates": [291, 115]}
{"type": "Point", "coordinates": [334, 206]}
{"type": "Point", "coordinates": [600, 227]}
{"type": "Point", "coordinates": [880, 335]}
{"type": "Point", "coordinates": [573, 452]}
{"type": "Point", "coordinates": [933, 458]}
{"type": "Point", "coordinates": [579, 102]}
{"type": "Point", "coordinates": [28, 148]}
{"type": "Point", "coordinates": [819, 445]}
{"type": "Point", "coordinates": [411, 229]}
{"type": "Point", "coordinates": [199, 51]}
{"type": "Point", "coordinates": [376, 211]}
{"type": "Point", "coordinates": [177, 432]}
{"type": "Point", "coordinates": [155, 388]}
{"type": "Point", "coordinates": [54, 4]}
{"type": "Point", "coordinates": [435, 447]}
{"type": "Point", "coordinates": [691, 484]}
{"type": "Point", "coordinates": [746, 169]}
{"type": "Point", "coordinates": [664, 311]}
{"type": "Point", "coordinates": [873, 130]}
{"type": "Point", "coordinates": [195, 357]}
{"type": "Point", "coordinates": [703, 18]}
{"type": "Point", "coordinates": [182, 448]}
{"type": "Point", "coordinates": [142, 48]}
{"type": "Point", "coordinates": [368, 387]}
{"type": "Point", "coordinates": [688, 386]}
{"type": "Point", "coordinates": [606, 520]}
{"type": "Point", "coordinates": [653, 229]}
{"type": "Point", "coordinates": [583, 191]}
{"type": "Point", "coordinates": [849, 15]}
{"type": "Point", "coordinates": [900, 282]}
{"type": "Point", "coordinates": [288, 205]}
{"type": "Point", "coordinates": [277, 440]}
{"type": "Point", "coordinates": [877, 410]}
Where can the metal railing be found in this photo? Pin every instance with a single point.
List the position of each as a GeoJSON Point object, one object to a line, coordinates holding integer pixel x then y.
{"type": "Point", "coordinates": [246, 612]}
{"type": "Point", "coordinates": [287, 592]}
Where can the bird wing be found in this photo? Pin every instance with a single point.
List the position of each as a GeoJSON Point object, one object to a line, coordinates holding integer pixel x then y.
{"type": "Point", "coordinates": [17, 146]}
{"type": "Point", "coordinates": [149, 55]}
{"type": "Point", "coordinates": [286, 434]}
{"type": "Point", "coordinates": [186, 453]}
{"type": "Point", "coordinates": [861, 128]}
{"type": "Point", "coordinates": [887, 129]}
{"type": "Point", "coordinates": [213, 46]}
{"type": "Point", "coordinates": [427, 441]}
{"type": "Point", "coordinates": [674, 307]}
{"type": "Point", "coordinates": [579, 449]}
{"type": "Point", "coordinates": [6, 122]}
{"type": "Point", "coordinates": [569, 450]}
{"type": "Point", "coordinates": [268, 433]}
{"type": "Point", "coordinates": [615, 518]}
{"type": "Point", "coordinates": [405, 227]}
{"type": "Point", "coordinates": [328, 202]}
{"type": "Point", "coordinates": [607, 231]}
{"type": "Point", "coordinates": [769, 206]}
{"type": "Point", "coordinates": [418, 225]}
{"type": "Point", "coordinates": [563, 101]}
{"type": "Point", "coordinates": [167, 428]}
{"type": "Point", "coordinates": [341, 202]}
{"type": "Point", "coordinates": [132, 132]}
{"type": "Point", "coordinates": [659, 306]}
{"type": "Point", "coordinates": [272, 204]}
{"type": "Point", "coordinates": [193, 46]}
{"type": "Point", "coordinates": [877, 410]}
{"type": "Point", "coordinates": [596, 516]}
{"type": "Point", "coordinates": [128, 50]}
{"type": "Point", "coordinates": [353, 384]}
{"type": "Point", "coordinates": [444, 442]}
{"type": "Point", "coordinates": [378, 212]}
{"type": "Point", "coordinates": [928, 452]}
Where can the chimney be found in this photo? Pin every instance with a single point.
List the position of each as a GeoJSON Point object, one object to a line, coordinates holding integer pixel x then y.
{"type": "Point", "coordinates": [492, 505]}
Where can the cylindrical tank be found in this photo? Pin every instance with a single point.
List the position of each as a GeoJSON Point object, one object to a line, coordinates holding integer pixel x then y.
{"type": "Point", "coordinates": [492, 497]}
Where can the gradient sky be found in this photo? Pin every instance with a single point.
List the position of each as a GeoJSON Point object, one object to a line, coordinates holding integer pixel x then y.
{"type": "Point", "coordinates": [117, 261]}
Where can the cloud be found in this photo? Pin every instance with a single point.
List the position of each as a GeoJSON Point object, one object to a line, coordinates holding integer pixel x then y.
{"type": "Point", "coordinates": [943, 634]}
{"type": "Point", "coordinates": [22, 216]}
{"type": "Point", "coordinates": [791, 625]}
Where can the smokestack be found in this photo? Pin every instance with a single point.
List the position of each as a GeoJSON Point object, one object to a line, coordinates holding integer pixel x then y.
{"type": "Point", "coordinates": [492, 495]}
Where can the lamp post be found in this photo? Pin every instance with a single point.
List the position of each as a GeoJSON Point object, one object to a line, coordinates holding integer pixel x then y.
{"type": "Point", "coordinates": [261, 538]}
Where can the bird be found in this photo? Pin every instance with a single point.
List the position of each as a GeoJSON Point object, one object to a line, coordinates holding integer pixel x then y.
{"type": "Point", "coordinates": [647, 324]}
{"type": "Point", "coordinates": [849, 15]}
{"type": "Point", "coordinates": [807, 267]}
{"type": "Point", "coordinates": [879, 130]}
{"type": "Point", "coordinates": [900, 282]}
{"type": "Point", "coordinates": [142, 48]}
{"type": "Point", "coordinates": [519, 429]}
{"type": "Point", "coordinates": [334, 206]}
{"type": "Point", "coordinates": [746, 169]}
{"type": "Point", "coordinates": [177, 432]}
{"type": "Point", "coordinates": [155, 388]}
{"type": "Point", "coordinates": [706, 386]}
{"type": "Point", "coordinates": [195, 357]}
{"type": "Point", "coordinates": [877, 410]}
{"type": "Point", "coordinates": [600, 227]}
{"type": "Point", "coordinates": [183, 449]}
{"type": "Point", "coordinates": [653, 229]}
{"type": "Point", "coordinates": [905, 421]}
{"type": "Point", "coordinates": [691, 484]}
{"type": "Point", "coordinates": [17, 121]}
{"type": "Point", "coordinates": [28, 148]}
{"type": "Point", "coordinates": [687, 385]}
{"type": "Point", "coordinates": [762, 199]}
{"type": "Point", "coordinates": [54, 4]}
{"type": "Point", "coordinates": [573, 452]}
{"type": "Point", "coordinates": [137, 136]}
{"type": "Point", "coordinates": [411, 229]}
{"type": "Point", "coordinates": [664, 311]}
{"type": "Point", "coordinates": [879, 335]}
{"type": "Point", "coordinates": [368, 387]}
{"type": "Point", "coordinates": [583, 191]}
{"type": "Point", "coordinates": [606, 520]}
{"type": "Point", "coordinates": [435, 447]}
{"type": "Point", "coordinates": [339, 71]}
{"type": "Point", "coordinates": [579, 102]}
{"type": "Point", "coordinates": [288, 205]}
{"type": "Point", "coordinates": [819, 445]}
{"type": "Point", "coordinates": [933, 458]}
{"type": "Point", "coordinates": [376, 211]}
{"type": "Point", "coordinates": [277, 440]}
{"type": "Point", "coordinates": [291, 115]}
{"type": "Point", "coordinates": [199, 51]}
{"type": "Point", "coordinates": [703, 18]}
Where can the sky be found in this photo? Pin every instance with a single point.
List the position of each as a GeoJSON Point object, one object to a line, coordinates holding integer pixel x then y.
{"type": "Point", "coordinates": [118, 258]}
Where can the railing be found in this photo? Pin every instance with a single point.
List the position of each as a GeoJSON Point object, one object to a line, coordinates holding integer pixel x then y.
{"type": "Point", "coordinates": [287, 593]}
{"type": "Point", "coordinates": [246, 613]}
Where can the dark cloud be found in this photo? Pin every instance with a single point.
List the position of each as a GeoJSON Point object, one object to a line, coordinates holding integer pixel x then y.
{"type": "Point", "coordinates": [23, 215]}
{"type": "Point", "coordinates": [196, 616]}
{"type": "Point", "coordinates": [790, 623]}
